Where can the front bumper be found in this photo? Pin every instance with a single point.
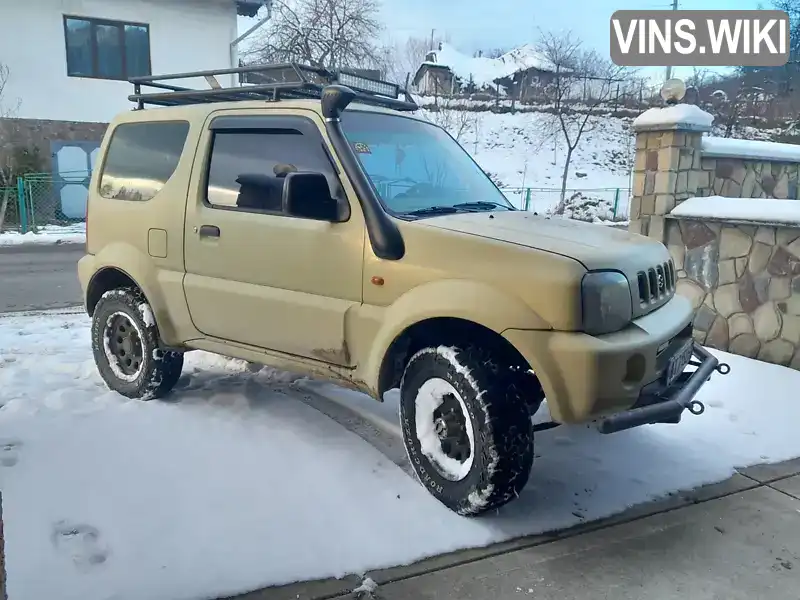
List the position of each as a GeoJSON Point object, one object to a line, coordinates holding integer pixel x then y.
{"type": "Point", "coordinates": [665, 404]}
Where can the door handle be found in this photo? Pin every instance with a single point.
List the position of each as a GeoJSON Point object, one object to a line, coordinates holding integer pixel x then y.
{"type": "Point", "coordinates": [209, 231]}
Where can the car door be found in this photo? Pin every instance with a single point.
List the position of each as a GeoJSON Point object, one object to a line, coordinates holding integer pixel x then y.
{"type": "Point", "coordinates": [254, 275]}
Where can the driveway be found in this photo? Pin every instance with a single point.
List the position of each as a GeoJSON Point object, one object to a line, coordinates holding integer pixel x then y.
{"type": "Point", "coordinates": [737, 540]}
{"type": "Point", "coordinates": [36, 277]}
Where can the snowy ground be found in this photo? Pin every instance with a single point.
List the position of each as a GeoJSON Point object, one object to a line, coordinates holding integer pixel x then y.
{"type": "Point", "coordinates": [238, 483]}
{"type": "Point", "coordinates": [47, 234]}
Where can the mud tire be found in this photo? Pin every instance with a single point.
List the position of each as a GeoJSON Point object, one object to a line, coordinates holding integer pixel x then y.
{"type": "Point", "coordinates": [160, 369]}
{"type": "Point", "coordinates": [501, 425]}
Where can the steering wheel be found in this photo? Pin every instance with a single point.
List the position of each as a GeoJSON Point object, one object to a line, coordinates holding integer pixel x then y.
{"type": "Point", "coordinates": [417, 190]}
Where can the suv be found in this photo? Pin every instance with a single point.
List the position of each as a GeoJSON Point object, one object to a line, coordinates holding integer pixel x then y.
{"type": "Point", "coordinates": [317, 225]}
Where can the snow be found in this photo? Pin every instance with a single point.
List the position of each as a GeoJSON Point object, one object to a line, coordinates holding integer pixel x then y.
{"type": "Point", "coordinates": [517, 152]}
{"type": "Point", "coordinates": [368, 586]}
{"type": "Point", "coordinates": [759, 210]}
{"type": "Point", "coordinates": [147, 315]}
{"type": "Point", "coordinates": [46, 234]}
{"type": "Point", "coordinates": [236, 482]}
{"type": "Point", "coordinates": [670, 116]}
{"type": "Point", "coordinates": [716, 147]}
{"type": "Point", "coordinates": [484, 71]}
{"type": "Point", "coordinates": [430, 397]}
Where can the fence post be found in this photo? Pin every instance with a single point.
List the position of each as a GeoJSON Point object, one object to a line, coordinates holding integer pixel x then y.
{"type": "Point", "coordinates": [22, 206]}
{"type": "Point", "coordinates": [616, 204]}
{"type": "Point", "coordinates": [527, 198]}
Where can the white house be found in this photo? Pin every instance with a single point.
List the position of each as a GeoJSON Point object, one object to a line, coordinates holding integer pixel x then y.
{"type": "Point", "coordinates": [68, 64]}
{"type": "Point", "coordinates": [69, 60]}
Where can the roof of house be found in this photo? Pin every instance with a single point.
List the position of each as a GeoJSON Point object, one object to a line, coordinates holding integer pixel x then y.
{"type": "Point", "coordinates": [485, 71]}
{"type": "Point", "coordinates": [248, 8]}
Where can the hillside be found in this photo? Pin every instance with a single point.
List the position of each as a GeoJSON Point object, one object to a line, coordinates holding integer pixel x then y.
{"type": "Point", "coordinates": [517, 152]}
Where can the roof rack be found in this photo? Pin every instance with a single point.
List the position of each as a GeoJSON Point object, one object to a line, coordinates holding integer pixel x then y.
{"type": "Point", "coordinates": [268, 82]}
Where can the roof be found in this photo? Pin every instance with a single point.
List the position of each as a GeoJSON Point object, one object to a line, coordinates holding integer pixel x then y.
{"type": "Point", "coordinates": [249, 8]}
{"type": "Point", "coordinates": [485, 71]}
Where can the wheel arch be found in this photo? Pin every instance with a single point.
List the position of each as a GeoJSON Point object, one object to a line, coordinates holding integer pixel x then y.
{"type": "Point", "coordinates": [122, 265]}
{"type": "Point", "coordinates": [442, 312]}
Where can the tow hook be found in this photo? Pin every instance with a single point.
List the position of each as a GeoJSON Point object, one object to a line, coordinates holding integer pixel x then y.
{"type": "Point", "coordinates": [696, 407]}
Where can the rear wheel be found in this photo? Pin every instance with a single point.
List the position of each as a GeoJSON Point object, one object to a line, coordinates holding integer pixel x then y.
{"type": "Point", "coordinates": [466, 429]}
{"type": "Point", "coordinates": [126, 347]}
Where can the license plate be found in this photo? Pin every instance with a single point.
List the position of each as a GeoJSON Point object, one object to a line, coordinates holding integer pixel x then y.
{"type": "Point", "coordinates": [678, 362]}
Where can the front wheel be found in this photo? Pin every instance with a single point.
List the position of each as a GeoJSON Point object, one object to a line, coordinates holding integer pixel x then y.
{"type": "Point", "coordinates": [126, 347]}
{"type": "Point", "coordinates": [467, 431]}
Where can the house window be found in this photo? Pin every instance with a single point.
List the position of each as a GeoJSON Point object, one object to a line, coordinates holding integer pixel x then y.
{"type": "Point", "coordinates": [106, 49]}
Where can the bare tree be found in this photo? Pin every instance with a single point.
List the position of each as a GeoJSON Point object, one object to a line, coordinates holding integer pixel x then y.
{"type": "Point", "coordinates": [572, 65]}
{"type": "Point", "coordinates": [7, 111]}
{"type": "Point", "coordinates": [400, 61]}
{"type": "Point", "coordinates": [457, 120]}
{"type": "Point", "coordinates": [322, 33]}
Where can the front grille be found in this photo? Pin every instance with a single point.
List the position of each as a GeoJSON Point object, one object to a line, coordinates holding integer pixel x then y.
{"type": "Point", "coordinates": [656, 283]}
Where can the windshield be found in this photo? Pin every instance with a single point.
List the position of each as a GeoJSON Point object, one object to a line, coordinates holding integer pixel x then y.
{"type": "Point", "coordinates": [416, 166]}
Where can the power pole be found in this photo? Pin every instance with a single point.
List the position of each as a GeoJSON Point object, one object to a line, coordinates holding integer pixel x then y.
{"type": "Point", "coordinates": [669, 69]}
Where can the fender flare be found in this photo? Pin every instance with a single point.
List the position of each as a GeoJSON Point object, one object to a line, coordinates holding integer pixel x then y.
{"type": "Point", "coordinates": [472, 301]}
{"type": "Point", "coordinates": [139, 268]}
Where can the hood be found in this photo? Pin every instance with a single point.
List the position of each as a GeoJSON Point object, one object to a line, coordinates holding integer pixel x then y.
{"type": "Point", "coordinates": [594, 246]}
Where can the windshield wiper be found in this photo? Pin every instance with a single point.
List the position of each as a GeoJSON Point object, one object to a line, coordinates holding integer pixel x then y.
{"type": "Point", "coordinates": [434, 210]}
{"type": "Point", "coordinates": [481, 204]}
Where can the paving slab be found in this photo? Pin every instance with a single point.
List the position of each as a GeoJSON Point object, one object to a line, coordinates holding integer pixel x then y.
{"type": "Point", "coordinates": [773, 472]}
{"type": "Point", "coordinates": [738, 547]}
{"type": "Point", "coordinates": [306, 590]}
{"type": "Point", "coordinates": [737, 483]}
{"type": "Point", "coordinates": [789, 486]}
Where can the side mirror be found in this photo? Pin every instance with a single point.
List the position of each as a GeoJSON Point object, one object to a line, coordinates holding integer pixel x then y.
{"type": "Point", "coordinates": [308, 196]}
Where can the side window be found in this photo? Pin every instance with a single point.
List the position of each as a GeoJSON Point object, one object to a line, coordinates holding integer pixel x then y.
{"type": "Point", "coordinates": [248, 168]}
{"type": "Point", "coordinates": [141, 158]}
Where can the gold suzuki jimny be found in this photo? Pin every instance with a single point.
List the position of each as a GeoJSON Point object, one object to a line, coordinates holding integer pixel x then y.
{"type": "Point", "coordinates": [309, 220]}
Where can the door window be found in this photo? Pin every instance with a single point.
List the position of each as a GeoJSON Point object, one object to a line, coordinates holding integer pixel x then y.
{"type": "Point", "coordinates": [248, 168]}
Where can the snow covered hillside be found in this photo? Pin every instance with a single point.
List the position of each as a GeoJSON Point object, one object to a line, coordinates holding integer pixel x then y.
{"type": "Point", "coordinates": [518, 152]}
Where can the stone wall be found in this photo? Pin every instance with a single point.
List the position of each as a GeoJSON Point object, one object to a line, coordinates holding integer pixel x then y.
{"type": "Point", "coordinates": [744, 282]}
{"type": "Point", "coordinates": [38, 134]}
{"type": "Point", "coordinates": [742, 277]}
{"type": "Point", "coordinates": [743, 178]}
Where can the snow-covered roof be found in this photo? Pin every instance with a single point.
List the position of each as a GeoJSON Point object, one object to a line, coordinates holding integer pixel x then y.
{"type": "Point", "coordinates": [485, 71]}
{"type": "Point", "coordinates": [757, 210]}
{"type": "Point", "coordinates": [677, 116]}
{"type": "Point", "coordinates": [249, 8]}
{"type": "Point", "coordinates": [715, 147]}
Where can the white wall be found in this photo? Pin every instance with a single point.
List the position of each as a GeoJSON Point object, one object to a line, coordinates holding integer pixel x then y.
{"type": "Point", "coordinates": [185, 35]}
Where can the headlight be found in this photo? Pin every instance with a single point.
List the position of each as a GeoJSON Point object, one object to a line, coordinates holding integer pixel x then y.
{"type": "Point", "coordinates": [606, 299]}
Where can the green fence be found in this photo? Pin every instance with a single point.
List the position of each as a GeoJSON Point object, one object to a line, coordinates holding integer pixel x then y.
{"type": "Point", "coordinates": [585, 204]}
{"type": "Point", "coordinates": [42, 200]}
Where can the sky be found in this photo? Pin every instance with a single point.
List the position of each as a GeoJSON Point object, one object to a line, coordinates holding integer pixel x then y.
{"type": "Point", "coordinates": [476, 24]}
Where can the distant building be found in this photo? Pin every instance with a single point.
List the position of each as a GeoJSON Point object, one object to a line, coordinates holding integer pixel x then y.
{"type": "Point", "coordinates": [447, 71]}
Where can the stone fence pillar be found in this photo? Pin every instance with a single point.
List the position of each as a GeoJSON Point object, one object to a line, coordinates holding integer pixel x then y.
{"type": "Point", "coordinates": [667, 167]}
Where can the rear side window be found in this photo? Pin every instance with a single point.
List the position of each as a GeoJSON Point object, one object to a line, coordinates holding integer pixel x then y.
{"type": "Point", "coordinates": [141, 158]}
